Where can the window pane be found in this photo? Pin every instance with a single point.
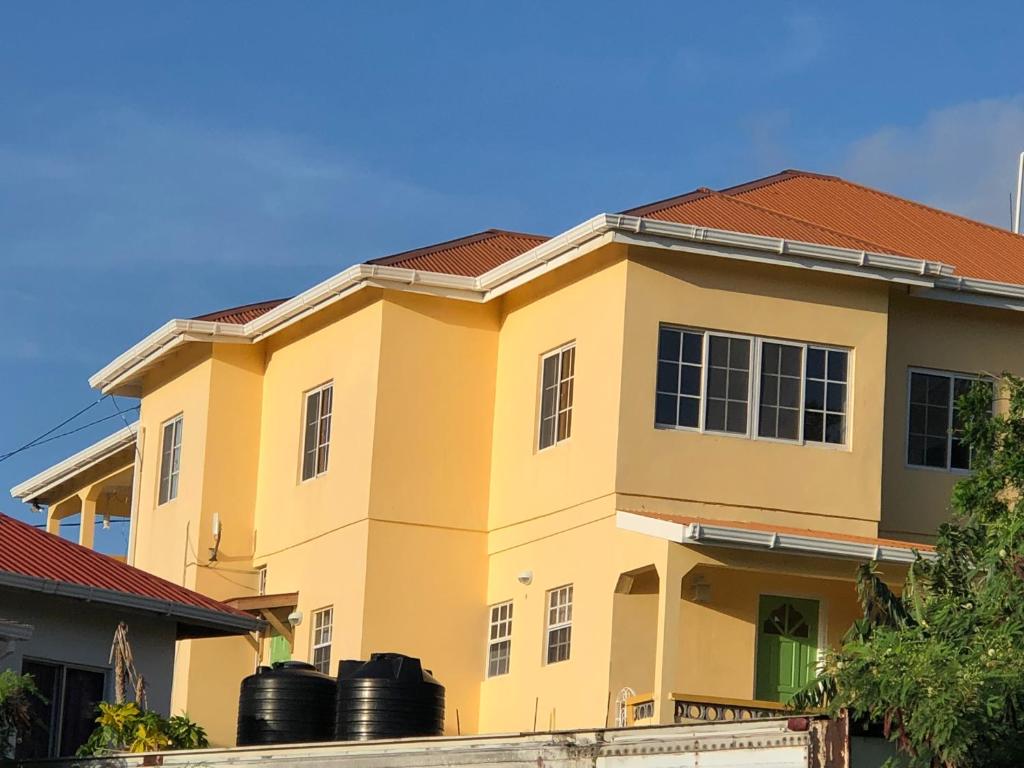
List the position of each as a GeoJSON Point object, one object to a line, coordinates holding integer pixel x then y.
{"type": "Point", "coordinates": [789, 424]}
{"type": "Point", "coordinates": [718, 351]}
{"type": "Point", "coordinates": [815, 363]}
{"type": "Point", "coordinates": [665, 409]}
{"type": "Point", "coordinates": [690, 382]}
{"type": "Point", "coordinates": [814, 395]}
{"type": "Point", "coordinates": [836, 365]}
{"type": "Point", "coordinates": [669, 341]}
{"type": "Point", "coordinates": [693, 348]}
{"type": "Point", "coordinates": [689, 411]}
{"type": "Point", "coordinates": [825, 396]}
{"type": "Point", "coordinates": [718, 379]}
{"type": "Point", "coordinates": [668, 377]}
{"type": "Point", "coordinates": [550, 371]}
{"type": "Point", "coordinates": [834, 425]}
{"type": "Point", "coordinates": [814, 425]}
{"type": "Point", "coordinates": [728, 384]}
{"type": "Point", "coordinates": [736, 417]}
{"type": "Point", "coordinates": [714, 415]}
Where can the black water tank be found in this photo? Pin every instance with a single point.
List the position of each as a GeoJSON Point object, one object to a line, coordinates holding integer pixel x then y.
{"type": "Point", "coordinates": [388, 697]}
{"type": "Point", "coordinates": [289, 703]}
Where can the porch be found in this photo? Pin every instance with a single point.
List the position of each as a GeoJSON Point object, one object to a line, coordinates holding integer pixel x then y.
{"type": "Point", "coordinates": [732, 620]}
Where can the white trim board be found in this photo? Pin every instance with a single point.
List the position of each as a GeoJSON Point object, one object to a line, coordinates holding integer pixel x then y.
{"type": "Point", "coordinates": [923, 276]}
{"type": "Point", "coordinates": [709, 534]}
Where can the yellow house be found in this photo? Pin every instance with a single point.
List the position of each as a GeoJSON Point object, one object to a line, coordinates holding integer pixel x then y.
{"type": "Point", "coordinates": [623, 473]}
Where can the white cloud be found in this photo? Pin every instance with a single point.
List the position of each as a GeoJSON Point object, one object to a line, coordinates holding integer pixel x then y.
{"type": "Point", "coordinates": [962, 158]}
{"type": "Point", "coordinates": [124, 188]}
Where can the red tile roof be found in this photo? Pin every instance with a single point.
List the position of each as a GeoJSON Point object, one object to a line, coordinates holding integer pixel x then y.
{"type": "Point", "coordinates": [30, 552]}
{"type": "Point", "coordinates": [471, 255]}
{"type": "Point", "coordinates": [243, 314]}
{"type": "Point", "coordinates": [798, 205]}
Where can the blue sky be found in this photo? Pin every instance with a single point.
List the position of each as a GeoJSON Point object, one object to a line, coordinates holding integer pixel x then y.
{"type": "Point", "coordinates": [164, 160]}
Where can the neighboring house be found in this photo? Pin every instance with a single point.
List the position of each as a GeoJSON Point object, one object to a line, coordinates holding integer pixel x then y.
{"type": "Point", "coordinates": [59, 607]}
{"type": "Point", "coordinates": [623, 473]}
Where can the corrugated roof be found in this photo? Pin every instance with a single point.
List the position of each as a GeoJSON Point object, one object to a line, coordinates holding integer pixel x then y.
{"type": "Point", "coordinates": [30, 552]}
{"type": "Point", "coordinates": [470, 256]}
{"type": "Point", "coordinates": [812, 207]}
{"type": "Point", "coordinates": [241, 315]}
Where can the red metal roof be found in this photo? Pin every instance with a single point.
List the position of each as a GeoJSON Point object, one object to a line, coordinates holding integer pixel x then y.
{"type": "Point", "coordinates": [29, 551]}
{"type": "Point", "coordinates": [811, 207]}
{"type": "Point", "coordinates": [471, 255]}
{"type": "Point", "coordinates": [243, 314]}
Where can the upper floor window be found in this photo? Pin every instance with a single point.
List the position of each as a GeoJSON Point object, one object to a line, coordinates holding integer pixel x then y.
{"type": "Point", "coordinates": [499, 645]}
{"type": "Point", "coordinates": [798, 392]}
{"type": "Point", "coordinates": [170, 461]}
{"type": "Point", "coordinates": [556, 391]}
{"type": "Point", "coordinates": [934, 425]}
{"type": "Point", "coordinates": [317, 440]}
{"type": "Point", "coordinates": [559, 632]}
{"type": "Point", "coordinates": [323, 625]}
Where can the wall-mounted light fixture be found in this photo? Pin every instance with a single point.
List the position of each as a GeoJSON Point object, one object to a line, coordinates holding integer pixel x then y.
{"type": "Point", "coordinates": [525, 577]}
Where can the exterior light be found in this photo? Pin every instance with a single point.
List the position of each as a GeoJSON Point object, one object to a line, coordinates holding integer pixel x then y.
{"type": "Point", "coordinates": [525, 577]}
{"type": "Point", "coordinates": [295, 618]}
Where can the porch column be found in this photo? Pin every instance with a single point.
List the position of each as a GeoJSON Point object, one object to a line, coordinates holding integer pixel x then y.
{"type": "Point", "coordinates": [676, 562]}
{"type": "Point", "coordinates": [87, 529]}
{"type": "Point", "coordinates": [52, 521]}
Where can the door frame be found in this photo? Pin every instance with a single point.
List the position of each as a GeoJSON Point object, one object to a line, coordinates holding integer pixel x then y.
{"type": "Point", "coordinates": [822, 638]}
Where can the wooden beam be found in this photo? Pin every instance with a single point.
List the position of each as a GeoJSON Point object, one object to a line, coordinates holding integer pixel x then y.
{"type": "Point", "coordinates": [283, 630]}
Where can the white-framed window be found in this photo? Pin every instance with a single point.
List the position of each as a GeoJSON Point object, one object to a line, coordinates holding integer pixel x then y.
{"type": "Point", "coordinates": [499, 643]}
{"type": "Point", "coordinates": [323, 623]}
{"type": "Point", "coordinates": [559, 624]}
{"type": "Point", "coordinates": [933, 419]}
{"type": "Point", "coordinates": [261, 580]}
{"type": "Point", "coordinates": [170, 461]}
{"type": "Point", "coordinates": [798, 392]}
{"type": "Point", "coordinates": [316, 441]}
{"type": "Point", "coordinates": [556, 394]}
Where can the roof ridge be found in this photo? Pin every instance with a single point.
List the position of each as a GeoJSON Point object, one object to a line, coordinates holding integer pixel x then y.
{"type": "Point", "coordinates": [882, 248]}
{"type": "Point", "coordinates": [240, 308]}
{"type": "Point", "coordinates": [469, 239]}
{"type": "Point", "coordinates": [775, 178]}
{"type": "Point", "coordinates": [668, 202]}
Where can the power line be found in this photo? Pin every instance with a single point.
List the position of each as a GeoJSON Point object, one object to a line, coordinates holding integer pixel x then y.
{"type": "Point", "coordinates": [41, 441]}
{"type": "Point", "coordinates": [49, 432]}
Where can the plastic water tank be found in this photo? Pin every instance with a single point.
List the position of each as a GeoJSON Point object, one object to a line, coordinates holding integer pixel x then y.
{"type": "Point", "coordinates": [390, 696]}
{"type": "Point", "coordinates": [289, 703]}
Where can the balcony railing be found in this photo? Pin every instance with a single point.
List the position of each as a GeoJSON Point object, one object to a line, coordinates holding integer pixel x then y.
{"type": "Point", "coordinates": [691, 708]}
{"type": "Point", "coordinates": [640, 709]}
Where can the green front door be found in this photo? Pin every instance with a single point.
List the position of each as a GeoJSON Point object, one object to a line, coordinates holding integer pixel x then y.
{"type": "Point", "coordinates": [280, 648]}
{"type": "Point", "coordinates": [787, 646]}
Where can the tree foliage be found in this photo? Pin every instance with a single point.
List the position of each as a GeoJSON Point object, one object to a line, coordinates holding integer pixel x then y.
{"type": "Point", "coordinates": [126, 728]}
{"type": "Point", "coordinates": [17, 695]}
{"type": "Point", "coordinates": [940, 666]}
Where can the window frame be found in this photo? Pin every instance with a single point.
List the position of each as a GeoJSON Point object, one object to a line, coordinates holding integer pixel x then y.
{"type": "Point", "coordinates": [58, 707]}
{"type": "Point", "coordinates": [754, 388]}
{"type": "Point", "coordinates": [174, 475]}
{"type": "Point", "coordinates": [557, 351]}
{"type": "Point", "coordinates": [550, 628]}
{"type": "Point", "coordinates": [505, 638]}
{"type": "Point", "coordinates": [314, 644]}
{"type": "Point", "coordinates": [317, 471]}
{"type": "Point", "coordinates": [952, 376]}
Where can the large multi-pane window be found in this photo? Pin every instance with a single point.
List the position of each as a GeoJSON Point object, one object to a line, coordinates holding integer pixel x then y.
{"type": "Point", "coordinates": [934, 428]}
{"type": "Point", "coordinates": [317, 439]}
{"type": "Point", "coordinates": [170, 461]}
{"type": "Point", "coordinates": [798, 391]}
{"type": "Point", "coordinates": [499, 645]}
{"type": "Point", "coordinates": [559, 625]}
{"type": "Point", "coordinates": [556, 392]}
{"type": "Point", "coordinates": [323, 621]}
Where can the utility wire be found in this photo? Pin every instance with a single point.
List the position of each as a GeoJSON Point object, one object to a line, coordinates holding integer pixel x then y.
{"type": "Point", "coordinates": [47, 433]}
{"type": "Point", "coordinates": [72, 431]}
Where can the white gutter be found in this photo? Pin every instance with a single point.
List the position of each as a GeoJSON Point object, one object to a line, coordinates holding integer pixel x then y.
{"type": "Point", "coordinates": [709, 534]}
{"type": "Point", "coordinates": [559, 250]}
{"type": "Point", "coordinates": [53, 476]}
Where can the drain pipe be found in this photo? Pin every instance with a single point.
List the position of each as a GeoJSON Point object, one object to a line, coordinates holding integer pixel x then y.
{"type": "Point", "coordinates": [1020, 184]}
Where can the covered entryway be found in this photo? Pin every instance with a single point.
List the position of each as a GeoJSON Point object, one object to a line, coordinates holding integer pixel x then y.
{"type": "Point", "coordinates": [787, 646]}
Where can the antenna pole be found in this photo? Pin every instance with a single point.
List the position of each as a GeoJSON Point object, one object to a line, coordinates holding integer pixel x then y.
{"type": "Point", "coordinates": [1020, 185]}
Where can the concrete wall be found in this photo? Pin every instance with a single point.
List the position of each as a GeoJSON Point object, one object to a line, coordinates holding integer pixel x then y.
{"type": "Point", "coordinates": [68, 632]}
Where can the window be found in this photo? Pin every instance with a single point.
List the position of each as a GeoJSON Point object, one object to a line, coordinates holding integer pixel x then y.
{"type": "Point", "coordinates": [170, 462]}
{"type": "Point", "coordinates": [499, 648]}
{"type": "Point", "coordinates": [65, 717]}
{"type": "Point", "coordinates": [261, 580]}
{"type": "Point", "coordinates": [556, 390]}
{"type": "Point", "coordinates": [323, 621]}
{"type": "Point", "coordinates": [704, 383]}
{"type": "Point", "coordinates": [933, 429]}
{"type": "Point", "coordinates": [317, 440]}
{"type": "Point", "coordinates": [559, 624]}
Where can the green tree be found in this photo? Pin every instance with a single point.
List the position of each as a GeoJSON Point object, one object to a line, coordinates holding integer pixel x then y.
{"type": "Point", "coordinates": [941, 665]}
{"type": "Point", "coordinates": [17, 695]}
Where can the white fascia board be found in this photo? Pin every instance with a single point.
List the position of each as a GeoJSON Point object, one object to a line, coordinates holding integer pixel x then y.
{"type": "Point", "coordinates": [88, 457]}
{"type": "Point", "coordinates": [741, 538]}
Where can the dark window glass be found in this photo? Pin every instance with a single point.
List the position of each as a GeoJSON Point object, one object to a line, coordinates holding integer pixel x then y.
{"type": "Point", "coordinates": [930, 413]}
{"type": "Point", "coordinates": [825, 396]}
{"type": "Point", "coordinates": [556, 396]}
{"type": "Point", "coordinates": [680, 363]}
{"type": "Point", "coordinates": [780, 391]}
{"type": "Point", "coordinates": [728, 384]}
{"type": "Point", "coordinates": [317, 432]}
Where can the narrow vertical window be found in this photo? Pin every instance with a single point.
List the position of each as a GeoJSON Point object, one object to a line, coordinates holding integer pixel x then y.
{"type": "Point", "coordinates": [261, 580]}
{"type": "Point", "coordinates": [323, 621]}
{"type": "Point", "coordinates": [779, 393]}
{"type": "Point", "coordinates": [825, 395]}
{"type": "Point", "coordinates": [680, 368]}
{"type": "Point", "coordinates": [934, 429]}
{"type": "Point", "coordinates": [170, 461]}
{"type": "Point", "coordinates": [499, 647]}
{"type": "Point", "coordinates": [559, 631]}
{"type": "Point", "coordinates": [317, 439]}
{"type": "Point", "coordinates": [728, 385]}
{"type": "Point", "coordinates": [556, 395]}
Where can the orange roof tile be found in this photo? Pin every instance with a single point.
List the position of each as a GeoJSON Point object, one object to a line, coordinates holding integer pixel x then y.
{"type": "Point", "coordinates": [243, 314]}
{"type": "Point", "coordinates": [471, 255]}
{"type": "Point", "coordinates": [796, 204]}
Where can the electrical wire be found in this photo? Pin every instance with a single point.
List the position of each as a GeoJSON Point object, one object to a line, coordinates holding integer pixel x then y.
{"type": "Point", "coordinates": [39, 442]}
{"type": "Point", "coordinates": [49, 432]}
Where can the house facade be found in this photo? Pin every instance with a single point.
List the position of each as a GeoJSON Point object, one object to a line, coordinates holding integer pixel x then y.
{"type": "Point", "coordinates": [621, 474]}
